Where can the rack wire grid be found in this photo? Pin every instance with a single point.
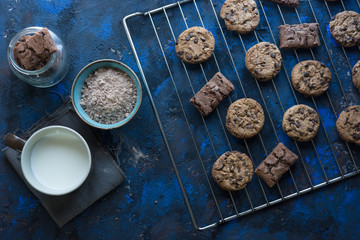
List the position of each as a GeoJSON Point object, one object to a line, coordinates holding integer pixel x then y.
{"type": "Point", "coordinates": [194, 142]}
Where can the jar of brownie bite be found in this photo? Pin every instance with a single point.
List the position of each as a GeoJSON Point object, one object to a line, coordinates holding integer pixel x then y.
{"type": "Point", "coordinates": [37, 56]}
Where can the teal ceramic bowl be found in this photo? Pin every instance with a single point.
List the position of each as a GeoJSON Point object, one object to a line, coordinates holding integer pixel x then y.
{"type": "Point", "coordinates": [79, 82]}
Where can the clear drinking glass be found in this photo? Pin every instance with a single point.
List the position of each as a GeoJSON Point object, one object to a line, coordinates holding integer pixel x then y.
{"type": "Point", "coordinates": [52, 73]}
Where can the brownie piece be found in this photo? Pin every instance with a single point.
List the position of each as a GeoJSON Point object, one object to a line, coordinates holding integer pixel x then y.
{"type": "Point", "coordinates": [291, 3]}
{"type": "Point", "coordinates": [34, 52]}
{"type": "Point", "coordinates": [212, 93]}
{"type": "Point", "coordinates": [304, 35]}
{"type": "Point", "coordinates": [276, 164]}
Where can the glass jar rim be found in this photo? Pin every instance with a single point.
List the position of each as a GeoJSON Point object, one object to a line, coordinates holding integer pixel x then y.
{"type": "Point", "coordinates": [15, 39]}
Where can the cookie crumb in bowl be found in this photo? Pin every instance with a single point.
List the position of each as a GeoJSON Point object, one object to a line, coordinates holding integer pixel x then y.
{"type": "Point", "coordinates": [108, 95]}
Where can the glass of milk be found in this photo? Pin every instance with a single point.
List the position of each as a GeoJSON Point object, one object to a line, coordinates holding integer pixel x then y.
{"type": "Point", "coordinates": [55, 160]}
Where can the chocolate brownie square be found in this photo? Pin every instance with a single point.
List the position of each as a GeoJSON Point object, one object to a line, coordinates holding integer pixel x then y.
{"type": "Point", "coordinates": [276, 164]}
{"type": "Point", "coordinates": [304, 35]}
{"type": "Point", "coordinates": [290, 3]}
{"type": "Point", "coordinates": [212, 93]}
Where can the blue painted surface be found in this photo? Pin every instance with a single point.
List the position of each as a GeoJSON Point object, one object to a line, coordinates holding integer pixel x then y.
{"type": "Point", "coordinates": [93, 30]}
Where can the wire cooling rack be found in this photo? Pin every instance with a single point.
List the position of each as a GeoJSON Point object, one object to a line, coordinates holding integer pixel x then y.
{"type": "Point", "coordinates": [194, 142]}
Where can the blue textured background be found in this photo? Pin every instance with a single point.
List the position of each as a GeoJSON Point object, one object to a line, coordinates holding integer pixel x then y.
{"type": "Point", "coordinates": [92, 30]}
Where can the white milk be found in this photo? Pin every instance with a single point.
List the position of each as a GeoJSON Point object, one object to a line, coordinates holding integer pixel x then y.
{"type": "Point", "coordinates": [59, 160]}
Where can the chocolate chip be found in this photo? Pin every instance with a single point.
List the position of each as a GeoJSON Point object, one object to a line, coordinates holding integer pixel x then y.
{"type": "Point", "coordinates": [344, 28]}
{"type": "Point", "coordinates": [301, 111]}
{"type": "Point", "coordinates": [315, 120]}
{"type": "Point", "coordinates": [273, 55]}
{"type": "Point", "coordinates": [274, 47]}
{"type": "Point", "coordinates": [356, 136]}
{"type": "Point", "coordinates": [306, 74]}
{"type": "Point", "coordinates": [196, 40]}
{"type": "Point", "coordinates": [245, 10]}
{"type": "Point", "coordinates": [306, 65]}
{"type": "Point", "coordinates": [298, 124]}
{"type": "Point", "coordinates": [187, 38]}
{"type": "Point", "coordinates": [232, 168]}
{"type": "Point", "coordinates": [267, 44]}
{"type": "Point", "coordinates": [203, 39]}
{"type": "Point", "coordinates": [253, 8]}
{"type": "Point", "coordinates": [346, 110]}
{"type": "Point", "coordinates": [322, 72]}
{"type": "Point", "coordinates": [311, 111]}
{"type": "Point", "coordinates": [310, 129]}
{"type": "Point", "coordinates": [355, 22]}
{"type": "Point", "coordinates": [277, 65]}
{"type": "Point", "coordinates": [249, 126]}
{"type": "Point", "coordinates": [312, 28]}
{"type": "Point", "coordinates": [227, 154]}
{"type": "Point", "coordinates": [188, 57]}
{"type": "Point", "coordinates": [196, 56]}
{"type": "Point", "coordinates": [256, 71]}
{"type": "Point", "coordinates": [180, 52]}
{"type": "Point", "coordinates": [221, 166]}
{"type": "Point", "coordinates": [262, 64]}
{"type": "Point", "coordinates": [206, 45]}
{"type": "Point", "coordinates": [357, 28]}
{"type": "Point", "coordinates": [297, 86]}
{"type": "Point", "coordinates": [191, 34]}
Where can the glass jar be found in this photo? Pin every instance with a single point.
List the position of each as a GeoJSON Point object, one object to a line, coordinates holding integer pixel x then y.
{"type": "Point", "coordinates": [52, 73]}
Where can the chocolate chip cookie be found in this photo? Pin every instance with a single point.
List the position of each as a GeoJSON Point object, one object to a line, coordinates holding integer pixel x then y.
{"type": "Point", "coordinates": [195, 45]}
{"type": "Point", "coordinates": [241, 16]}
{"type": "Point", "coordinates": [356, 75]}
{"type": "Point", "coordinates": [233, 171]}
{"type": "Point", "coordinates": [311, 77]}
{"type": "Point", "coordinates": [348, 124]}
{"type": "Point", "coordinates": [345, 28]}
{"type": "Point", "coordinates": [245, 118]}
{"type": "Point", "coordinates": [263, 61]}
{"type": "Point", "coordinates": [301, 123]}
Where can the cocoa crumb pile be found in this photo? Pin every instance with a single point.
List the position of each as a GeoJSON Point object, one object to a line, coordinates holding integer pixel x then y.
{"type": "Point", "coordinates": [108, 95]}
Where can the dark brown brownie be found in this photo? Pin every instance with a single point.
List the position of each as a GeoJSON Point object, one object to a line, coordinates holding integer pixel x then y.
{"type": "Point", "coordinates": [34, 52]}
{"type": "Point", "coordinates": [291, 3]}
{"type": "Point", "coordinates": [212, 93]}
{"type": "Point", "coordinates": [276, 164]}
{"type": "Point", "coordinates": [304, 35]}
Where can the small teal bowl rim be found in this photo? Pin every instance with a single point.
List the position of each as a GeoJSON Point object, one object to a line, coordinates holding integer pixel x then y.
{"type": "Point", "coordinates": [81, 112]}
